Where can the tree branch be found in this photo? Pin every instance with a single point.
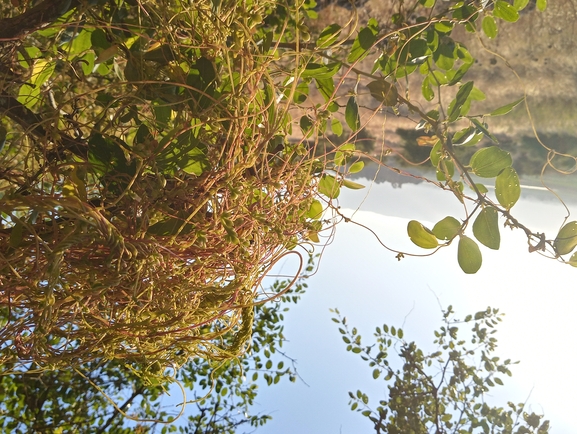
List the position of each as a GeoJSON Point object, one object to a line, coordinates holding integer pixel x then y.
{"type": "Point", "coordinates": [34, 18]}
{"type": "Point", "coordinates": [32, 124]}
{"type": "Point", "coordinates": [134, 395]}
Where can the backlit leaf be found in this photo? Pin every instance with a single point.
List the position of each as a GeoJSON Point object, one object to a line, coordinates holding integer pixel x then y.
{"type": "Point", "coordinates": [329, 186]}
{"type": "Point", "coordinates": [336, 127]}
{"type": "Point", "coordinates": [447, 229]}
{"type": "Point", "coordinates": [316, 210]}
{"type": "Point", "coordinates": [566, 239]}
{"type": "Point", "coordinates": [328, 36]}
{"type": "Point", "coordinates": [505, 11]}
{"type": "Point", "coordinates": [352, 185]}
{"type": "Point", "coordinates": [508, 188]}
{"type": "Point", "coordinates": [486, 228]}
{"type": "Point", "coordinates": [356, 167]}
{"type": "Point", "coordinates": [489, 26]}
{"type": "Point", "coordinates": [469, 255]}
{"type": "Point", "coordinates": [506, 108]}
{"type": "Point", "coordinates": [421, 236]}
{"type": "Point", "coordinates": [541, 5]}
{"type": "Point", "coordinates": [489, 162]}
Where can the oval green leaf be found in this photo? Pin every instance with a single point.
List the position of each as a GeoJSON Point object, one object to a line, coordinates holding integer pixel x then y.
{"type": "Point", "coordinates": [352, 185]}
{"type": "Point", "coordinates": [315, 211]}
{"type": "Point", "coordinates": [469, 255]}
{"type": "Point", "coordinates": [447, 229]}
{"type": "Point", "coordinates": [489, 26]}
{"type": "Point", "coordinates": [356, 167]}
{"type": "Point", "coordinates": [489, 162]}
{"type": "Point", "coordinates": [329, 186]}
{"type": "Point", "coordinates": [508, 188]}
{"type": "Point", "coordinates": [505, 11]}
{"type": "Point", "coordinates": [421, 236]}
{"type": "Point", "coordinates": [352, 114]}
{"type": "Point", "coordinates": [336, 127]}
{"type": "Point", "coordinates": [566, 239]}
{"type": "Point", "coordinates": [486, 228]}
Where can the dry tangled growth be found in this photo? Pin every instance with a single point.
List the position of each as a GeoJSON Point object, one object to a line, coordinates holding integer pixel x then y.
{"type": "Point", "coordinates": [147, 183]}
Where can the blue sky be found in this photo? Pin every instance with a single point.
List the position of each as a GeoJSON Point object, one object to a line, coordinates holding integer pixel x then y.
{"type": "Point", "coordinates": [369, 286]}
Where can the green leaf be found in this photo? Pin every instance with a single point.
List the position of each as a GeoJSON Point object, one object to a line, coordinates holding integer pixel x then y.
{"type": "Point", "coordinates": [194, 162]}
{"type": "Point", "coordinates": [29, 93]}
{"type": "Point", "coordinates": [162, 113]}
{"type": "Point", "coordinates": [447, 229]}
{"type": "Point", "coordinates": [320, 71]}
{"type": "Point", "coordinates": [329, 186]}
{"type": "Point", "coordinates": [489, 162]}
{"type": "Point", "coordinates": [427, 89]}
{"type": "Point", "coordinates": [482, 189]}
{"type": "Point", "coordinates": [437, 78]}
{"type": "Point", "coordinates": [362, 43]}
{"type": "Point", "coordinates": [328, 36]}
{"type": "Point", "coordinates": [79, 44]}
{"type": "Point", "coordinates": [336, 127]}
{"type": "Point", "coordinates": [467, 137]}
{"type": "Point", "coordinates": [506, 108]}
{"type": "Point", "coordinates": [507, 187]}
{"type": "Point", "coordinates": [352, 185]}
{"type": "Point", "coordinates": [566, 239]}
{"type": "Point", "coordinates": [421, 236]}
{"type": "Point", "coordinates": [436, 153]}
{"type": "Point", "coordinates": [486, 228]}
{"type": "Point", "coordinates": [460, 99]}
{"type": "Point", "coordinates": [505, 11]}
{"type": "Point", "coordinates": [356, 167]}
{"type": "Point", "coordinates": [469, 255]}
{"type": "Point", "coordinates": [326, 87]}
{"type": "Point", "coordinates": [384, 92]}
{"type": "Point", "coordinates": [99, 40]}
{"type": "Point", "coordinates": [483, 129]}
{"type": "Point", "coordinates": [541, 5]}
{"type": "Point", "coordinates": [489, 26]}
{"type": "Point", "coordinates": [301, 92]}
{"type": "Point", "coordinates": [376, 373]}
{"type": "Point", "coordinates": [352, 114]}
{"type": "Point", "coordinates": [306, 124]}
{"type": "Point", "coordinates": [520, 4]}
{"type": "Point", "coordinates": [315, 211]}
